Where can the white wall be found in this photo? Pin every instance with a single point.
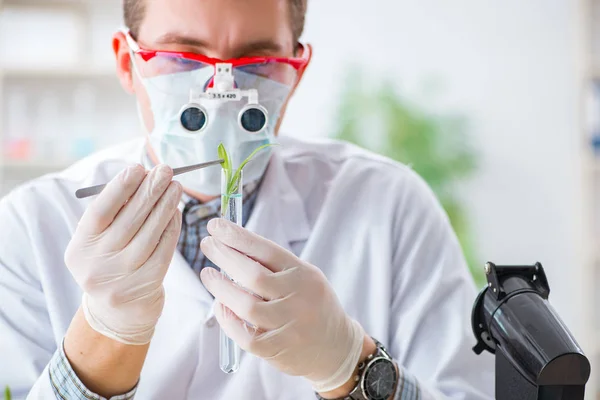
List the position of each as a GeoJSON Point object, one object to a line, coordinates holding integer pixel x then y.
{"type": "Point", "coordinates": [511, 67]}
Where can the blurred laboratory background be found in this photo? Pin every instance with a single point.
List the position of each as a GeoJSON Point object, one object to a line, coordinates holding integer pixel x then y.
{"type": "Point", "coordinates": [495, 104]}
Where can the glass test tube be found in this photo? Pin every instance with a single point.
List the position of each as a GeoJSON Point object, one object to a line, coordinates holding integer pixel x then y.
{"type": "Point", "coordinates": [231, 209]}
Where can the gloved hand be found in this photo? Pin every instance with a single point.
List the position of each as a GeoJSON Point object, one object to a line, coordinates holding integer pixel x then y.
{"type": "Point", "coordinates": [121, 251]}
{"type": "Point", "coordinates": [299, 324]}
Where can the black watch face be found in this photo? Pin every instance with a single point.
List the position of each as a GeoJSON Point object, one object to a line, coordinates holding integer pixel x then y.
{"type": "Point", "coordinates": [380, 380]}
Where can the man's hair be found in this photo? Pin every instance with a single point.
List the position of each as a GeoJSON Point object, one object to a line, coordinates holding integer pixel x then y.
{"type": "Point", "coordinates": [133, 13]}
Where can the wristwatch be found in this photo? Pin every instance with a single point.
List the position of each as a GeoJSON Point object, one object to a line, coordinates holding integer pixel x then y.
{"type": "Point", "coordinates": [377, 377]}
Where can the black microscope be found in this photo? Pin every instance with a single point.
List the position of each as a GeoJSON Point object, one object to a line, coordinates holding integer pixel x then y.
{"type": "Point", "coordinates": [537, 357]}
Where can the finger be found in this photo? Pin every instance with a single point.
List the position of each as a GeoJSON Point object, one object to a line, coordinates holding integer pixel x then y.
{"type": "Point", "coordinates": [146, 240]}
{"type": "Point", "coordinates": [235, 328]}
{"type": "Point", "coordinates": [131, 218]}
{"type": "Point", "coordinates": [163, 253]}
{"type": "Point", "coordinates": [103, 210]}
{"type": "Point", "coordinates": [267, 253]}
{"type": "Point", "coordinates": [264, 344]}
{"type": "Point", "coordinates": [242, 269]}
{"type": "Point", "coordinates": [152, 273]}
{"type": "Point", "coordinates": [246, 306]}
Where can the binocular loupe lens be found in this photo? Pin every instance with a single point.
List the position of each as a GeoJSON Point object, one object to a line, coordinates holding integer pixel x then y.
{"type": "Point", "coordinates": [253, 119]}
{"type": "Point", "coordinates": [193, 118]}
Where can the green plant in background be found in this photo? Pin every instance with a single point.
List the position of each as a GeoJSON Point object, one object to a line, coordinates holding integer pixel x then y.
{"type": "Point", "coordinates": [7, 395]}
{"type": "Point", "coordinates": [435, 146]}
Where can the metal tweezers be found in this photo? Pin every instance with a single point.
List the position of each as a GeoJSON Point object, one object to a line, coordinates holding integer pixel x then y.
{"type": "Point", "coordinates": [94, 190]}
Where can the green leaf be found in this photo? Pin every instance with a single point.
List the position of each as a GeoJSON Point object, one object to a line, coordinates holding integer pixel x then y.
{"type": "Point", "coordinates": [251, 156]}
{"type": "Point", "coordinates": [7, 395]}
{"type": "Point", "coordinates": [226, 159]}
{"type": "Point", "coordinates": [222, 152]}
{"type": "Point", "coordinates": [226, 162]}
{"type": "Point", "coordinates": [223, 155]}
{"type": "Point", "coordinates": [234, 182]}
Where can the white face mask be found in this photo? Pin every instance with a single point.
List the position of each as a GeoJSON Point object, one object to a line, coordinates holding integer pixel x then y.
{"type": "Point", "coordinates": [178, 147]}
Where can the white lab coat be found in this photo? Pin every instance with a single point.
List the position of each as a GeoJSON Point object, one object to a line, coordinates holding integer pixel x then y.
{"type": "Point", "coordinates": [370, 224]}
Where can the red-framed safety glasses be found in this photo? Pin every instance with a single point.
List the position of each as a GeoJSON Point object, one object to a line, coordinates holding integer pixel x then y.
{"type": "Point", "coordinates": [159, 63]}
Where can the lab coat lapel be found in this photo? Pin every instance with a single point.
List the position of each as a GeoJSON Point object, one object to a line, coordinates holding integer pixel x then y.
{"type": "Point", "coordinates": [182, 280]}
{"type": "Point", "coordinates": [279, 213]}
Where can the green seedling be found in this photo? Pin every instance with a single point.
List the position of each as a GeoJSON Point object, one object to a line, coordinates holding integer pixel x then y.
{"type": "Point", "coordinates": [7, 395]}
{"type": "Point", "coordinates": [233, 178]}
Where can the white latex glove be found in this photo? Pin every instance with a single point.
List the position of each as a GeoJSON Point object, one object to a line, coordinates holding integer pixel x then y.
{"type": "Point", "coordinates": [299, 324]}
{"type": "Point", "coordinates": [121, 251]}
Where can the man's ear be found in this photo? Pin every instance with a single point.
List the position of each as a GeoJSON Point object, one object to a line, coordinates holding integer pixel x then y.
{"type": "Point", "coordinates": [308, 49]}
{"type": "Point", "coordinates": [124, 61]}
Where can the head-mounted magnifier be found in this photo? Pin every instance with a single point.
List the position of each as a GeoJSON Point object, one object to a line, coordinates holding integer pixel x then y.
{"type": "Point", "coordinates": [253, 117]}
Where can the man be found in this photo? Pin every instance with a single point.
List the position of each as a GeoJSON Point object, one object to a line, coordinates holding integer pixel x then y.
{"type": "Point", "coordinates": [342, 252]}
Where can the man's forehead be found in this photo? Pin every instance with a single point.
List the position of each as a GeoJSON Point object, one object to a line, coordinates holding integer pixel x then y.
{"type": "Point", "coordinates": [269, 45]}
{"type": "Point", "coordinates": [218, 28]}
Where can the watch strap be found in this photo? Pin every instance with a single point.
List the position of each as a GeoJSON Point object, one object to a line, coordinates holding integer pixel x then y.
{"type": "Point", "coordinates": [357, 393]}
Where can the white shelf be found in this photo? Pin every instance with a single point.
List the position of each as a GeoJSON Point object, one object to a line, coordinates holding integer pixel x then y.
{"type": "Point", "coordinates": [34, 165]}
{"type": "Point", "coordinates": [42, 3]}
{"type": "Point", "coordinates": [54, 3]}
{"type": "Point", "coordinates": [80, 73]}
